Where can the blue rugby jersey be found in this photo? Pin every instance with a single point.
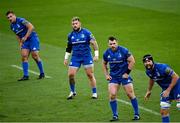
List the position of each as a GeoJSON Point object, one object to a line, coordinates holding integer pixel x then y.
{"type": "Point", "coordinates": [162, 74]}
{"type": "Point", "coordinates": [80, 42]}
{"type": "Point", "coordinates": [117, 60]}
{"type": "Point", "coordinates": [20, 29]}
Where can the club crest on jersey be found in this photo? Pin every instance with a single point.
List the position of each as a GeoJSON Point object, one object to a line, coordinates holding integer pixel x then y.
{"type": "Point", "coordinates": [109, 56]}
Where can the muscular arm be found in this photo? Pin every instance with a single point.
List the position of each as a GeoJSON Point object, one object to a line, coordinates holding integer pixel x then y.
{"type": "Point", "coordinates": [95, 47]}
{"type": "Point", "coordinates": [175, 77]}
{"type": "Point", "coordinates": [150, 86]}
{"type": "Point", "coordinates": [131, 63]}
{"type": "Point", "coordinates": [30, 29]}
{"type": "Point", "coordinates": [67, 53]}
{"type": "Point", "coordinates": [105, 70]}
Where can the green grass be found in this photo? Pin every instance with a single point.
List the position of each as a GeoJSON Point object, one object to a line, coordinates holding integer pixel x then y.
{"type": "Point", "coordinates": [143, 26]}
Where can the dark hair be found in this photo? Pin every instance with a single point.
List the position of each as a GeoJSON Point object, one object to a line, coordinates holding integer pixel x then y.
{"type": "Point", "coordinates": [112, 38]}
{"type": "Point", "coordinates": [76, 19]}
{"type": "Point", "coordinates": [147, 57]}
{"type": "Point", "coordinates": [8, 12]}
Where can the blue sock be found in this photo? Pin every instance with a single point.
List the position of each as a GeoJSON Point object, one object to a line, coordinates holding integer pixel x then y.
{"type": "Point", "coordinates": [135, 106]}
{"type": "Point", "coordinates": [165, 119]}
{"type": "Point", "coordinates": [40, 66]}
{"type": "Point", "coordinates": [72, 87]}
{"type": "Point", "coordinates": [113, 105]}
{"type": "Point", "coordinates": [94, 90]}
{"type": "Point", "coordinates": [25, 66]}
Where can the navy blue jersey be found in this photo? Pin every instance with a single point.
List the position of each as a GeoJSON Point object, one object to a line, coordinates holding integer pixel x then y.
{"type": "Point", "coordinates": [162, 74]}
{"type": "Point", "coordinates": [20, 29]}
{"type": "Point", "coordinates": [80, 42]}
{"type": "Point", "coordinates": [117, 60]}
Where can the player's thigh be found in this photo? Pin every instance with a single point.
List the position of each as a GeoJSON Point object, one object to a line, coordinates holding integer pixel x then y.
{"type": "Point", "coordinates": [129, 89]}
{"type": "Point", "coordinates": [35, 54]}
{"type": "Point", "coordinates": [25, 53]}
{"type": "Point", "coordinates": [72, 70]}
{"type": "Point", "coordinates": [89, 70]}
{"type": "Point", "coordinates": [113, 88]}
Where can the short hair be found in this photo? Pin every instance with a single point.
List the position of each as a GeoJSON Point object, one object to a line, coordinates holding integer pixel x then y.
{"type": "Point", "coordinates": [9, 11]}
{"type": "Point", "coordinates": [76, 19]}
{"type": "Point", "coordinates": [147, 57]}
{"type": "Point", "coordinates": [112, 38]}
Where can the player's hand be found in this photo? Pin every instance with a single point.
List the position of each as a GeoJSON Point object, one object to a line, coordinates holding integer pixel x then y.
{"type": "Point", "coordinates": [65, 62]}
{"type": "Point", "coordinates": [148, 94]}
{"type": "Point", "coordinates": [165, 93]}
{"type": "Point", "coordinates": [23, 39]}
{"type": "Point", "coordinates": [95, 58]}
{"type": "Point", "coordinates": [125, 75]}
{"type": "Point", "coordinates": [108, 77]}
{"type": "Point", "coordinates": [20, 44]}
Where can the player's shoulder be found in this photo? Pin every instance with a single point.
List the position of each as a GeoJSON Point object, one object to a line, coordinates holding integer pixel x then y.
{"type": "Point", "coordinates": [20, 19]}
{"type": "Point", "coordinates": [122, 48]}
{"type": "Point", "coordinates": [107, 51]}
{"type": "Point", "coordinates": [161, 66]}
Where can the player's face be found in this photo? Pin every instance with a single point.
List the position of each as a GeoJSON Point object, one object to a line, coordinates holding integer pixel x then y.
{"type": "Point", "coordinates": [113, 45]}
{"type": "Point", "coordinates": [76, 25]}
{"type": "Point", "coordinates": [11, 17]}
{"type": "Point", "coordinates": [148, 64]}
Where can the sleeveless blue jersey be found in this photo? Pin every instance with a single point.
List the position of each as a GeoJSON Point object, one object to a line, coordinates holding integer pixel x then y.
{"type": "Point", "coordinates": [20, 29]}
{"type": "Point", "coordinates": [161, 74]}
{"type": "Point", "coordinates": [80, 42]}
{"type": "Point", "coordinates": [117, 60]}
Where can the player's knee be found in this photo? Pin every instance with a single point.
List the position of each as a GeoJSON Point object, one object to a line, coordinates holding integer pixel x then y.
{"type": "Point", "coordinates": [165, 105]}
{"type": "Point", "coordinates": [24, 58]}
{"type": "Point", "coordinates": [112, 96]}
{"type": "Point", "coordinates": [164, 112]}
{"type": "Point", "coordinates": [90, 75]}
{"type": "Point", "coordinates": [131, 95]}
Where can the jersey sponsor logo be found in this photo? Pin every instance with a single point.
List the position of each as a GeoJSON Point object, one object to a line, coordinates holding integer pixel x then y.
{"type": "Point", "coordinates": [116, 61]}
{"type": "Point", "coordinates": [78, 42]}
{"type": "Point", "coordinates": [19, 31]}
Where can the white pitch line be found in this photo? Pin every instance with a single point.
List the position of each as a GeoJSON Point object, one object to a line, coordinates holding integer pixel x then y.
{"type": "Point", "coordinates": [140, 107]}
{"type": "Point", "coordinates": [30, 71]}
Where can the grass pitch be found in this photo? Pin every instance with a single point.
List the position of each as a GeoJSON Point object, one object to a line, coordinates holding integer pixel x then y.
{"type": "Point", "coordinates": [142, 26]}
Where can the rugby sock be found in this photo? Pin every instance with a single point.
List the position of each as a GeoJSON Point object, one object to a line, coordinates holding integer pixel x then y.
{"type": "Point", "coordinates": [72, 87]}
{"type": "Point", "coordinates": [40, 66]}
{"type": "Point", "coordinates": [165, 119]}
{"type": "Point", "coordinates": [113, 104]}
{"type": "Point", "coordinates": [135, 106]}
{"type": "Point", "coordinates": [25, 66]}
{"type": "Point", "coordinates": [93, 90]}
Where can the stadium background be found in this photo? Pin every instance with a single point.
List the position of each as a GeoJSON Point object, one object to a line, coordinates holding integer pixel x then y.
{"type": "Point", "coordinates": [143, 26]}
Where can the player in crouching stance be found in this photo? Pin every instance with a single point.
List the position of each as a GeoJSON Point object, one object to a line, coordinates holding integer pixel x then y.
{"type": "Point", "coordinates": [121, 62]}
{"type": "Point", "coordinates": [29, 43]}
{"type": "Point", "coordinates": [79, 41]}
{"type": "Point", "coordinates": [167, 79]}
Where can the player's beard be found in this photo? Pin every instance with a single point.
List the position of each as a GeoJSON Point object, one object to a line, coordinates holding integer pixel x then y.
{"type": "Point", "coordinates": [149, 66]}
{"type": "Point", "coordinates": [76, 29]}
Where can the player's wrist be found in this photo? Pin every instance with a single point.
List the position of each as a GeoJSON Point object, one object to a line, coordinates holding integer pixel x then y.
{"type": "Point", "coordinates": [96, 53]}
{"type": "Point", "coordinates": [128, 71]}
{"type": "Point", "coordinates": [66, 55]}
